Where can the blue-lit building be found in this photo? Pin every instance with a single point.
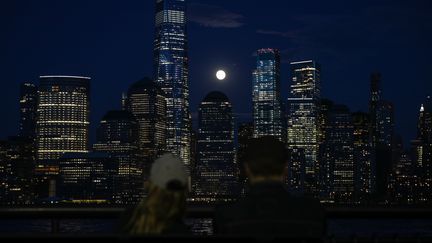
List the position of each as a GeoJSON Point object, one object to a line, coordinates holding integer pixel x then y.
{"type": "Point", "coordinates": [303, 117]}
{"type": "Point", "coordinates": [171, 73]}
{"type": "Point", "coordinates": [267, 102]}
{"type": "Point", "coordinates": [217, 172]}
{"type": "Point", "coordinates": [117, 135]}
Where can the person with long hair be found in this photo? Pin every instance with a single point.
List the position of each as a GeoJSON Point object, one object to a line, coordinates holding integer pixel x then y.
{"type": "Point", "coordinates": [162, 211]}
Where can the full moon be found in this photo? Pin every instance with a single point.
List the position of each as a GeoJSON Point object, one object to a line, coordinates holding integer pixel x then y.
{"type": "Point", "coordinates": [221, 75]}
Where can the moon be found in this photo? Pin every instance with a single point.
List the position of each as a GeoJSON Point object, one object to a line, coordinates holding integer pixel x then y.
{"type": "Point", "coordinates": [221, 75]}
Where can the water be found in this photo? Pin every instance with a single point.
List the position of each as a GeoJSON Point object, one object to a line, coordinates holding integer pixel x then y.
{"type": "Point", "coordinates": [203, 227]}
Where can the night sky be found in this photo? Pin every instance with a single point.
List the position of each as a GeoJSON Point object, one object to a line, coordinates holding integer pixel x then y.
{"type": "Point", "coordinates": [111, 41]}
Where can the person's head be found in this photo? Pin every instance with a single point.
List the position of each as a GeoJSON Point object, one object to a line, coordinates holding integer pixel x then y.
{"type": "Point", "coordinates": [265, 159]}
{"type": "Point", "coordinates": [166, 200]}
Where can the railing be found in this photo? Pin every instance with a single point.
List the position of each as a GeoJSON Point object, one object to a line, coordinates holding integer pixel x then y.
{"type": "Point", "coordinates": [56, 215]}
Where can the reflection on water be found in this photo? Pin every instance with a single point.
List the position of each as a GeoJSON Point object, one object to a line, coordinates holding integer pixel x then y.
{"type": "Point", "coordinates": [203, 227]}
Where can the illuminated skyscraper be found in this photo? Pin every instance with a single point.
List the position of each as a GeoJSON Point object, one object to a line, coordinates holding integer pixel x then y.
{"type": "Point", "coordinates": [28, 106]}
{"type": "Point", "coordinates": [337, 154]}
{"type": "Point", "coordinates": [63, 117]}
{"type": "Point", "coordinates": [117, 136]}
{"type": "Point", "coordinates": [146, 101]}
{"type": "Point", "coordinates": [267, 102]}
{"type": "Point", "coordinates": [424, 149]}
{"type": "Point", "coordinates": [303, 118]}
{"type": "Point", "coordinates": [171, 73]}
{"type": "Point", "coordinates": [216, 165]}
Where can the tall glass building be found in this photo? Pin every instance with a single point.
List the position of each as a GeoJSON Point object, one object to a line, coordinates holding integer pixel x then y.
{"type": "Point", "coordinates": [267, 102]}
{"type": "Point", "coordinates": [117, 136]}
{"type": "Point", "coordinates": [28, 106]}
{"type": "Point", "coordinates": [337, 155]}
{"type": "Point", "coordinates": [171, 72]}
{"type": "Point", "coordinates": [63, 117]}
{"type": "Point", "coordinates": [303, 117]}
{"type": "Point", "coordinates": [216, 165]}
{"type": "Point", "coordinates": [146, 101]}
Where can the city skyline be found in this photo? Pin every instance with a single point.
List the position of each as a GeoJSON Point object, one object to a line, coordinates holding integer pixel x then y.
{"type": "Point", "coordinates": [333, 153]}
{"type": "Point", "coordinates": [336, 88]}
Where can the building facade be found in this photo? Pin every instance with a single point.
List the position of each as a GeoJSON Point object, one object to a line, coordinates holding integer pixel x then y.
{"type": "Point", "coordinates": [117, 136]}
{"type": "Point", "coordinates": [85, 178]}
{"type": "Point", "coordinates": [337, 155]}
{"type": "Point", "coordinates": [364, 167]}
{"type": "Point", "coordinates": [146, 102]}
{"type": "Point", "coordinates": [28, 107]}
{"type": "Point", "coordinates": [303, 117]}
{"type": "Point", "coordinates": [63, 117]}
{"type": "Point", "coordinates": [171, 73]}
{"type": "Point", "coordinates": [267, 102]}
{"type": "Point", "coordinates": [216, 166]}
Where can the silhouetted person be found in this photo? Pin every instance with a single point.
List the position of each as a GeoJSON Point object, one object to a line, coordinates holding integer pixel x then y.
{"type": "Point", "coordinates": [268, 209]}
{"type": "Point", "coordinates": [162, 212]}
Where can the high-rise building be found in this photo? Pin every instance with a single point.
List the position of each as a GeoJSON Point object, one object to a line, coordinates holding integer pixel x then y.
{"type": "Point", "coordinates": [337, 154]}
{"type": "Point", "coordinates": [17, 163]}
{"type": "Point", "coordinates": [424, 149]}
{"type": "Point", "coordinates": [63, 117]}
{"type": "Point", "coordinates": [216, 165]}
{"type": "Point", "coordinates": [117, 136]}
{"type": "Point", "coordinates": [245, 134]}
{"type": "Point", "coordinates": [62, 126]}
{"type": "Point", "coordinates": [303, 117]}
{"type": "Point", "coordinates": [364, 167]}
{"type": "Point", "coordinates": [85, 178]}
{"type": "Point", "coordinates": [403, 180]}
{"type": "Point", "coordinates": [381, 133]}
{"type": "Point", "coordinates": [171, 73]}
{"type": "Point", "coordinates": [28, 106]}
{"type": "Point", "coordinates": [146, 101]}
{"type": "Point", "coordinates": [267, 102]}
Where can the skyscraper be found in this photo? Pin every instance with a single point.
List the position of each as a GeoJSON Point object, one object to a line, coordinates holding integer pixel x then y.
{"type": "Point", "coordinates": [63, 117]}
{"type": "Point", "coordinates": [245, 134]}
{"type": "Point", "coordinates": [146, 101]}
{"type": "Point", "coordinates": [216, 165]}
{"type": "Point", "coordinates": [171, 73]}
{"type": "Point", "coordinates": [364, 167]}
{"type": "Point", "coordinates": [16, 171]}
{"type": "Point", "coordinates": [424, 148]}
{"type": "Point", "coordinates": [117, 136]}
{"type": "Point", "coordinates": [337, 154]}
{"type": "Point", "coordinates": [303, 118]}
{"type": "Point", "coordinates": [381, 132]}
{"type": "Point", "coordinates": [28, 106]}
{"type": "Point", "coordinates": [267, 102]}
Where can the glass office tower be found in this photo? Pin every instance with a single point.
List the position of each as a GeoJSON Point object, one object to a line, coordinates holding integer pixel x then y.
{"type": "Point", "coordinates": [267, 102]}
{"type": "Point", "coordinates": [171, 73]}
{"type": "Point", "coordinates": [303, 117]}
{"type": "Point", "coordinates": [216, 165]}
